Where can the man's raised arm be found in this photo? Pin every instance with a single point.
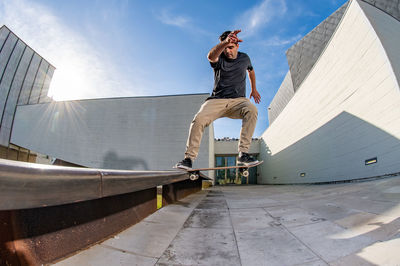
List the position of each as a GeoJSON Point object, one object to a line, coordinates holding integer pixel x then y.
{"type": "Point", "coordinates": [254, 93]}
{"type": "Point", "coordinates": [217, 50]}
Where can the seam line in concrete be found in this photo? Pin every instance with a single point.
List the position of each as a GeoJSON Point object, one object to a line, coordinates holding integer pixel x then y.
{"type": "Point", "coordinates": [300, 264]}
{"type": "Point", "coordinates": [298, 239]}
{"type": "Point", "coordinates": [233, 229]}
{"type": "Point", "coordinates": [300, 225]}
{"type": "Point", "coordinates": [125, 251]}
{"type": "Point", "coordinates": [205, 195]}
{"type": "Point", "coordinates": [197, 227]}
{"type": "Point", "coordinates": [261, 207]}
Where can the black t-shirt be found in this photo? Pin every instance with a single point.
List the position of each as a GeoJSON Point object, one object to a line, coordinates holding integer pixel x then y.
{"type": "Point", "coordinates": [230, 76]}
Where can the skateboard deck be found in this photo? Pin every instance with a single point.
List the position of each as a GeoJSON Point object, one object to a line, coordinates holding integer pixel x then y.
{"type": "Point", "coordinates": [194, 173]}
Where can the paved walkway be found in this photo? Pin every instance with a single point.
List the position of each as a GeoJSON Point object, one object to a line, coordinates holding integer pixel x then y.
{"type": "Point", "coordinates": [335, 224]}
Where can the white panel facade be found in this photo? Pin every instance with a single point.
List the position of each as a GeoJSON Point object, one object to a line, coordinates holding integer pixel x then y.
{"type": "Point", "coordinates": [345, 112]}
{"type": "Point", "coordinates": [303, 54]}
{"type": "Point", "coordinates": [144, 133]}
{"type": "Point", "coordinates": [222, 147]}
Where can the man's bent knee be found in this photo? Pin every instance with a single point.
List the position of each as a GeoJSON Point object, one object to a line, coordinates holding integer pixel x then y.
{"type": "Point", "coordinates": [201, 120]}
{"type": "Point", "coordinates": [253, 110]}
{"type": "Point", "coordinates": [250, 111]}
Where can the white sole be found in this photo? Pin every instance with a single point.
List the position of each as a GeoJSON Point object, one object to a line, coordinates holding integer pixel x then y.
{"type": "Point", "coordinates": [247, 164]}
{"type": "Point", "coordinates": [182, 167]}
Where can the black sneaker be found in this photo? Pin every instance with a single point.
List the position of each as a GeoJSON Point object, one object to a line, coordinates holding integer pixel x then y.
{"type": "Point", "coordinates": [246, 159]}
{"type": "Point", "coordinates": [184, 164]}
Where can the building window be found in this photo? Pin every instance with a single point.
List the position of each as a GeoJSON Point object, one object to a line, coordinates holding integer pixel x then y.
{"type": "Point", "coordinates": [232, 176]}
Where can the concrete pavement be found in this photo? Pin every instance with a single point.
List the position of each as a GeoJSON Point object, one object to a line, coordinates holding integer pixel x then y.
{"type": "Point", "coordinates": [333, 224]}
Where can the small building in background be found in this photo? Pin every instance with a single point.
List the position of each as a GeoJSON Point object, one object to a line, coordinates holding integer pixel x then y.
{"type": "Point", "coordinates": [226, 154]}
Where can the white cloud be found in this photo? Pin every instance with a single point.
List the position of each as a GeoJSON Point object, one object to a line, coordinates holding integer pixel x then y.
{"type": "Point", "coordinates": [167, 18]}
{"type": "Point", "coordinates": [81, 71]}
{"type": "Point", "coordinates": [278, 41]}
{"type": "Point", "coordinates": [183, 22]}
{"type": "Point", "coordinates": [257, 17]}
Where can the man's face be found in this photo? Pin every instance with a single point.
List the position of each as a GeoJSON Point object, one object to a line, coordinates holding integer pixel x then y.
{"type": "Point", "coordinates": [231, 50]}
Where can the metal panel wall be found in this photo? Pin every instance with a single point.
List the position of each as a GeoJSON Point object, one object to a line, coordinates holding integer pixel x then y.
{"type": "Point", "coordinates": [143, 133]}
{"type": "Point", "coordinates": [29, 80]}
{"type": "Point", "coordinates": [392, 7]}
{"type": "Point", "coordinates": [3, 36]}
{"type": "Point", "coordinates": [7, 95]}
{"type": "Point", "coordinates": [43, 98]}
{"type": "Point", "coordinates": [14, 93]}
{"type": "Point", "coordinates": [8, 74]}
{"type": "Point", "coordinates": [6, 52]}
{"type": "Point", "coordinates": [24, 78]}
{"type": "Point", "coordinates": [39, 82]}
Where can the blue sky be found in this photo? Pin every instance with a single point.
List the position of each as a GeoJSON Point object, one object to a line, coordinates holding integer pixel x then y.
{"type": "Point", "coordinates": [121, 48]}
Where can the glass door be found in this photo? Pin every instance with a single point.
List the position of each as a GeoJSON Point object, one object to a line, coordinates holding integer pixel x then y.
{"type": "Point", "coordinates": [232, 176]}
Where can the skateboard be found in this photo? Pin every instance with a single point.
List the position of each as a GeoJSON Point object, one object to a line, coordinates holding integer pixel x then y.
{"type": "Point", "coordinates": [244, 170]}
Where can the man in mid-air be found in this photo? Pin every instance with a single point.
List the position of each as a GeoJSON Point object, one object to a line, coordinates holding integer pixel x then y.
{"type": "Point", "coordinates": [228, 99]}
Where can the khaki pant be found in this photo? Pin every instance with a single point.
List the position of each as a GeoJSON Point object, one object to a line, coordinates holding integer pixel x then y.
{"type": "Point", "coordinates": [238, 108]}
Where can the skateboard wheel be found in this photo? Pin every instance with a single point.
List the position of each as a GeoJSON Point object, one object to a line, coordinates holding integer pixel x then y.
{"type": "Point", "coordinates": [245, 173]}
{"type": "Point", "coordinates": [193, 177]}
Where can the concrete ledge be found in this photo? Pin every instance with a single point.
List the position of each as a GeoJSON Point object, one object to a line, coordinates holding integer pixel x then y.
{"type": "Point", "coordinates": [50, 212]}
{"type": "Point", "coordinates": [28, 185]}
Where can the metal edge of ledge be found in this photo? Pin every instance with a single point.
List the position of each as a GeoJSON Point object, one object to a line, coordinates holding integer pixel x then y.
{"type": "Point", "coordinates": [120, 182]}
{"type": "Point", "coordinates": [29, 185]}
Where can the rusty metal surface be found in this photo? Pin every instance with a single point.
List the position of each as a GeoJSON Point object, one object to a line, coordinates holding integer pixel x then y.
{"type": "Point", "coordinates": [176, 191]}
{"type": "Point", "coordinates": [43, 235]}
{"type": "Point", "coordinates": [27, 185]}
{"type": "Point", "coordinates": [8, 255]}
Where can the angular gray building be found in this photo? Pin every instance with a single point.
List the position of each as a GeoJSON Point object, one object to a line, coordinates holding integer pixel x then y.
{"type": "Point", "coordinates": [24, 80]}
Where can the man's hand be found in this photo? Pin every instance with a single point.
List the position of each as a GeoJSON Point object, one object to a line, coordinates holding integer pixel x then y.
{"type": "Point", "coordinates": [233, 38]}
{"type": "Point", "coordinates": [254, 93]}
{"type": "Point", "coordinates": [216, 51]}
{"type": "Point", "coordinates": [256, 96]}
